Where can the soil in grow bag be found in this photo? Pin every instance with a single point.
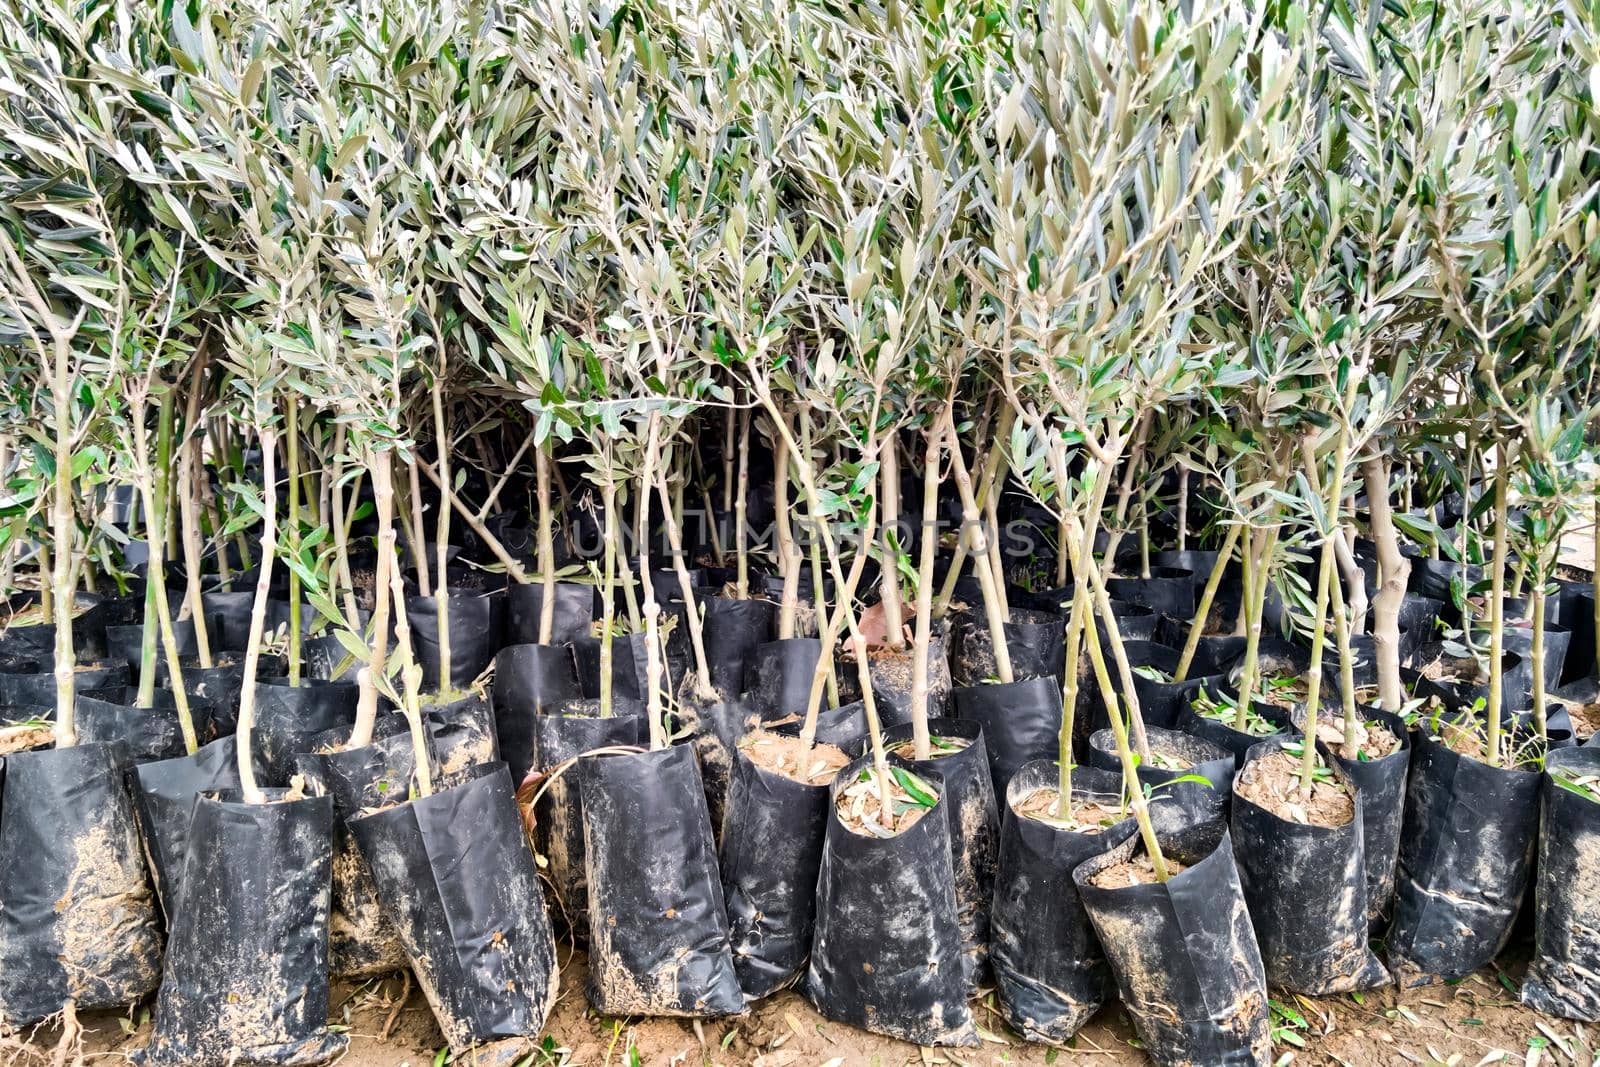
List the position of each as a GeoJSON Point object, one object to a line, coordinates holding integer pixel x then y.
{"type": "Point", "coordinates": [776, 817]}
{"type": "Point", "coordinates": [560, 736]}
{"type": "Point", "coordinates": [958, 756]}
{"type": "Point", "coordinates": [1036, 641]}
{"type": "Point", "coordinates": [476, 622]}
{"type": "Point", "coordinates": [1175, 755]}
{"type": "Point", "coordinates": [138, 735]}
{"type": "Point", "coordinates": [1021, 722]}
{"type": "Point", "coordinates": [1378, 767]}
{"type": "Point", "coordinates": [733, 629]}
{"type": "Point", "coordinates": [1183, 952]}
{"type": "Point", "coordinates": [1466, 852]}
{"type": "Point", "coordinates": [573, 618]}
{"type": "Point", "coordinates": [892, 677]}
{"type": "Point", "coordinates": [777, 676]}
{"type": "Point", "coordinates": [469, 911]}
{"type": "Point", "coordinates": [246, 977]}
{"type": "Point", "coordinates": [1562, 977]}
{"type": "Point", "coordinates": [77, 917]}
{"type": "Point", "coordinates": [1460, 683]}
{"type": "Point", "coordinates": [658, 930]}
{"type": "Point", "coordinates": [529, 681]}
{"type": "Point", "coordinates": [1050, 972]}
{"type": "Point", "coordinates": [291, 719]}
{"type": "Point", "coordinates": [164, 793]}
{"type": "Point", "coordinates": [25, 729]}
{"type": "Point", "coordinates": [1302, 865]}
{"type": "Point", "coordinates": [887, 952]}
{"type": "Point", "coordinates": [361, 940]}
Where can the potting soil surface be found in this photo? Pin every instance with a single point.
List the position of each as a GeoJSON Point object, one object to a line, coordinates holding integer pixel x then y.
{"type": "Point", "coordinates": [1473, 1022]}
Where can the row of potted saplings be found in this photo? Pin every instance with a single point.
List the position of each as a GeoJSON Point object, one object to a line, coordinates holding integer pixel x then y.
{"type": "Point", "coordinates": [818, 869]}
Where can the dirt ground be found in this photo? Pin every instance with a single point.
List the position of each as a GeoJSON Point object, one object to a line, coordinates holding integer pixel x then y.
{"type": "Point", "coordinates": [1477, 1021]}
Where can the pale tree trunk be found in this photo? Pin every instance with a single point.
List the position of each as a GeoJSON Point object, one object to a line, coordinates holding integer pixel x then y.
{"type": "Point", "coordinates": [702, 672]}
{"type": "Point", "coordinates": [928, 546]}
{"type": "Point", "coordinates": [1125, 491]}
{"type": "Point", "coordinates": [889, 573]}
{"type": "Point", "coordinates": [383, 503]}
{"type": "Point", "coordinates": [63, 534]}
{"type": "Point", "coordinates": [608, 605]}
{"type": "Point", "coordinates": [547, 552]}
{"type": "Point", "coordinates": [258, 619]}
{"type": "Point", "coordinates": [1325, 576]}
{"type": "Point", "coordinates": [1393, 570]}
{"type": "Point", "coordinates": [1497, 609]}
{"type": "Point", "coordinates": [1197, 625]}
{"type": "Point", "coordinates": [441, 600]}
{"type": "Point", "coordinates": [978, 540]}
{"type": "Point", "coordinates": [411, 679]}
{"type": "Point", "coordinates": [1355, 578]}
{"type": "Point", "coordinates": [1183, 508]}
{"type": "Point", "coordinates": [741, 533]}
{"type": "Point", "coordinates": [658, 733]}
{"type": "Point", "coordinates": [788, 550]}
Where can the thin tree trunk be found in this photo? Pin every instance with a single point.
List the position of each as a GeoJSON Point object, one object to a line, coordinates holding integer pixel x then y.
{"type": "Point", "coordinates": [1497, 608]}
{"type": "Point", "coordinates": [658, 737]}
{"type": "Point", "coordinates": [788, 550]}
{"type": "Point", "coordinates": [1308, 755]}
{"type": "Point", "coordinates": [383, 504]}
{"type": "Point", "coordinates": [697, 644]}
{"type": "Point", "coordinates": [417, 533]}
{"type": "Point", "coordinates": [1183, 508]}
{"type": "Point", "coordinates": [1125, 491]}
{"type": "Point", "coordinates": [411, 679]}
{"type": "Point", "coordinates": [1197, 625]}
{"type": "Point", "coordinates": [889, 573]}
{"type": "Point", "coordinates": [928, 551]}
{"type": "Point", "coordinates": [608, 606]}
{"type": "Point", "coordinates": [547, 550]}
{"type": "Point", "coordinates": [441, 600]}
{"type": "Point", "coordinates": [258, 620]}
{"type": "Point", "coordinates": [1130, 767]}
{"type": "Point", "coordinates": [1356, 579]}
{"type": "Point", "coordinates": [972, 519]}
{"type": "Point", "coordinates": [292, 444]}
{"type": "Point", "coordinates": [741, 533]}
{"type": "Point", "coordinates": [1393, 570]}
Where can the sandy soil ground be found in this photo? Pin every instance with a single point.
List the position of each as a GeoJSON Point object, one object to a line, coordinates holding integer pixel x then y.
{"type": "Point", "coordinates": [1474, 1022]}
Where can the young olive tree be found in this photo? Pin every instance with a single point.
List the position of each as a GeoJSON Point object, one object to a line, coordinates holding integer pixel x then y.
{"type": "Point", "coordinates": [1109, 202]}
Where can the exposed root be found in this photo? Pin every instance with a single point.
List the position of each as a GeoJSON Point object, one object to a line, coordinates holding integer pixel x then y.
{"type": "Point", "coordinates": [399, 1005]}
{"type": "Point", "coordinates": [69, 1050]}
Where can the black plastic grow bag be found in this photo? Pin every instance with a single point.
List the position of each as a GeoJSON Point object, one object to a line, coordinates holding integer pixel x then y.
{"type": "Point", "coordinates": [77, 917]}
{"type": "Point", "coordinates": [468, 907]}
{"type": "Point", "coordinates": [870, 967]}
{"type": "Point", "coordinates": [246, 977]}
{"type": "Point", "coordinates": [658, 930]}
